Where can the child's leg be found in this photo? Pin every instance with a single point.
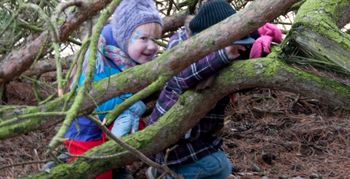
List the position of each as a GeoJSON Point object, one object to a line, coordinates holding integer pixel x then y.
{"type": "Point", "coordinates": [214, 166]}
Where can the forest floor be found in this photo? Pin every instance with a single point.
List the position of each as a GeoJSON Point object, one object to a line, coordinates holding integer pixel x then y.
{"type": "Point", "coordinates": [267, 133]}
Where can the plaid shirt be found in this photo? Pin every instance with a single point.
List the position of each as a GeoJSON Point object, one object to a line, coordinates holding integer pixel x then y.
{"type": "Point", "coordinates": [200, 140]}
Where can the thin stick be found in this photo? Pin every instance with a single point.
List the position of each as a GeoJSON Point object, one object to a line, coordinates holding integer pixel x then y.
{"type": "Point", "coordinates": [23, 163]}
{"type": "Point", "coordinates": [132, 150]}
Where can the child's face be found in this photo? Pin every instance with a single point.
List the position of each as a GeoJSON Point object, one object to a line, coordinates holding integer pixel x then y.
{"type": "Point", "coordinates": [141, 46]}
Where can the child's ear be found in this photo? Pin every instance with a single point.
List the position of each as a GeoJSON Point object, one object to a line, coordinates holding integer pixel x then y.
{"type": "Point", "coordinates": [188, 19]}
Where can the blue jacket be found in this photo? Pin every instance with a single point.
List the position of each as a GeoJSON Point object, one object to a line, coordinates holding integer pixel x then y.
{"type": "Point", "coordinates": [83, 129]}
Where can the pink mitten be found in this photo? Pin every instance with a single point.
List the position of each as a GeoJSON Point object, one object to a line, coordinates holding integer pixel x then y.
{"type": "Point", "coordinates": [272, 31]}
{"type": "Point", "coordinates": [261, 47]}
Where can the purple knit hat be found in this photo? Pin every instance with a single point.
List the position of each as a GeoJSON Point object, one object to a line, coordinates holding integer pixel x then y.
{"type": "Point", "coordinates": [129, 15]}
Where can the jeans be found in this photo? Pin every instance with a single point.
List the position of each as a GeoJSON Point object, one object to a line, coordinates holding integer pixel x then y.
{"type": "Point", "coordinates": [214, 166]}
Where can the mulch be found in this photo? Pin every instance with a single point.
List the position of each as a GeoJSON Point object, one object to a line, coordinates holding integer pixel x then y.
{"type": "Point", "coordinates": [283, 135]}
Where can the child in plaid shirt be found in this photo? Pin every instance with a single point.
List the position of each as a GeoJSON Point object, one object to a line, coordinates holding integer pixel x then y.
{"type": "Point", "coordinates": [199, 153]}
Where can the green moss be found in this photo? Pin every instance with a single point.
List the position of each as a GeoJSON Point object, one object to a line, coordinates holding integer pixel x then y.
{"type": "Point", "coordinates": [19, 128]}
{"type": "Point", "coordinates": [83, 166]}
{"type": "Point", "coordinates": [318, 82]}
{"type": "Point", "coordinates": [321, 16]}
{"type": "Point", "coordinates": [272, 65]}
{"type": "Point", "coordinates": [249, 69]}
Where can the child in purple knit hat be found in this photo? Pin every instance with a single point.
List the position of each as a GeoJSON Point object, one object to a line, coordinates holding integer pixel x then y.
{"type": "Point", "coordinates": [125, 42]}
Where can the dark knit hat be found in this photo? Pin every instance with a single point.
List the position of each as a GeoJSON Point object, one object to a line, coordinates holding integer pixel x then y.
{"type": "Point", "coordinates": [129, 15]}
{"type": "Point", "coordinates": [212, 13]}
{"type": "Point", "coordinates": [209, 14]}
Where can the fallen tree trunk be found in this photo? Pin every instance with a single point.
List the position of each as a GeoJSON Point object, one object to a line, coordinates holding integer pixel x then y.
{"type": "Point", "coordinates": [316, 35]}
{"type": "Point", "coordinates": [266, 72]}
{"type": "Point", "coordinates": [333, 93]}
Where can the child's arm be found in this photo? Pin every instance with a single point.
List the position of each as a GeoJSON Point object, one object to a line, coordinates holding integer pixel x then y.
{"type": "Point", "coordinates": [199, 70]}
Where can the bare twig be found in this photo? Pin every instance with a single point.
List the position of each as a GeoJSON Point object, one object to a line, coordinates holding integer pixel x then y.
{"type": "Point", "coordinates": [23, 163]}
{"type": "Point", "coordinates": [132, 150]}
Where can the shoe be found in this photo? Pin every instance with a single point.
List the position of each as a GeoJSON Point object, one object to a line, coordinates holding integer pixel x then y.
{"type": "Point", "coordinates": [63, 157]}
{"type": "Point", "coordinates": [51, 164]}
{"type": "Point", "coordinates": [48, 166]}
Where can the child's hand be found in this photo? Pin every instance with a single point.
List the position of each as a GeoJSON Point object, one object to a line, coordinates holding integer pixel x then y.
{"type": "Point", "coordinates": [233, 51]}
{"type": "Point", "coordinates": [125, 124]}
{"type": "Point", "coordinates": [261, 47]}
{"type": "Point", "coordinates": [135, 125]}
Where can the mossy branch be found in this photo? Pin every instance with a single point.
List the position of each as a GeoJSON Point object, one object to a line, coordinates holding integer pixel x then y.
{"type": "Point", "coordinates": [90, 69]}
{"type": "Point", "coordinates": [29, 116]}
{"type": "Point", "coordinates": [76, 67]}
{"type": "Point", "coordinates": [152, 88]}
{"type": "Point", "coordinates": [316, 35]}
